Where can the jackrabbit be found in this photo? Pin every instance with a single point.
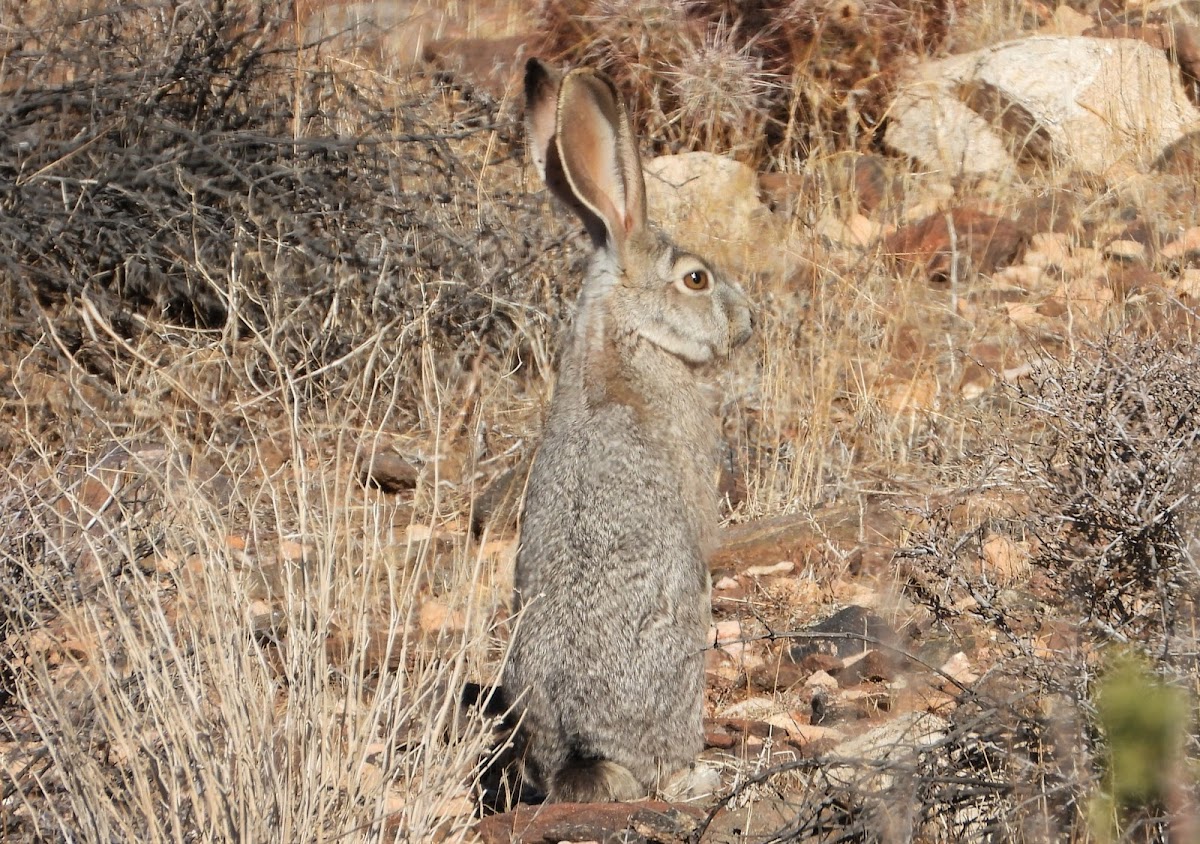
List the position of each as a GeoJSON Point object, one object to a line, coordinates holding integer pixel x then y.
{"type": "Point", "coordinates": [612, 595]}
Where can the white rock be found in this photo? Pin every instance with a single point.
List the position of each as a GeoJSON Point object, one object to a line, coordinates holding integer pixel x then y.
{"type": "Point", "coordinates": [784, 567]}
{"type": "Point", "coordinates": [758, 708]}
{"type": "Point", "coordinates": [1105, 104]}
{"type": "Point", "coordinates": [1188, 284]}
{"type": "Point", "coordinates": [959, 668]}
{"type": "Point", "coordinates": [1188, 243]}
{"type": "Point", "coordinates": [821, 680]}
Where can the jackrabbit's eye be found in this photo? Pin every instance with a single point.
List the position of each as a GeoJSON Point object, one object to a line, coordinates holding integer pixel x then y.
{"type": "Point", "coordinates": [696, 280]}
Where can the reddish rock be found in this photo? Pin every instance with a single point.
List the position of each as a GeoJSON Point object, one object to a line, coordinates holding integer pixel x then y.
{"type": "Point", "coordinates": [1128, 279]}
{"type": "Point", "coordinates": [555, 822]}
{"type": "Point", "coordinates": [719, 738]}
{"type": "Point", "coordinates": [767, 541]}
{"type": "Point", "coordinates": [1060, 637]}
{"type": "Point", "coordinates": [782, 192]}
{"type": "Point", "coordinates": [437, 618]}
{"type": "Point", "coordinates": [875, 184]}
{"type": "Point", "coordinates": [1003, 561]}
{"type": "Point", "coordinates": [1143, 232]}
{"type": "Point", "coordinates": [388, 471]}
{"type": "Point", "coordinates": [1187, 56]}
{"type": "Point", "coordinates": [1056, 211]}
{"type": "Point", "coordinates": [811, 663]}
{"type": "Point", "coordinates": [740, 727]}
{"type": "Point", "coordinates": [986, 242]}
{"type": "Point", "coordinates": [873, 666]}
{"type": "Point", "coordinates": [802, 538]}
{"type": "Point", "coordinates": [778, 674]}
{"type": "Point", "coordinates": [1053, 308]}
{"type": "Point", "coordinates": [1156, 35]}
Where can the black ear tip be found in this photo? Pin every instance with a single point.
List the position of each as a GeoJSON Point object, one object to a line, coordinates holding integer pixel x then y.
{"type": "Point", "coordinates": [536, 74]}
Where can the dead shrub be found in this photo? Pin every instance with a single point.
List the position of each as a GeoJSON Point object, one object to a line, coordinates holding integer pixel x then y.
{"type": "Point", "coordinates": [1102, 463]}
{"type": "Point", "coordinates": [191, 164]}
{"type": "Point", "coordinates": [1113, 481]}
{"type": "Point", "coordinates": [769, 79]}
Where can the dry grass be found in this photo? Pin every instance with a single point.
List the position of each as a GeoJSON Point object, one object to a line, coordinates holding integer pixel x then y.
{"type": "Point", "coordinates": [160, 697]}
{"type": "Point", "coordinates": [211, 628]}
{"type": "Point", "coordinates": [228, 287]}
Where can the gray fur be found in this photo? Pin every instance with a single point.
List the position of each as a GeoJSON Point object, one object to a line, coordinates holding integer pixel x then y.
{"type": "Point", "coordinates": [612, 604]}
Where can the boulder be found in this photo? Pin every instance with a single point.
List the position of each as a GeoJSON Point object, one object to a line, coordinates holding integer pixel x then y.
{"type": "Point", "coordinates": [975, 240]}
{"type": "Point", "coordinates": [1096, 105]}
{"type": "Point", "coordinates": [710, 204]}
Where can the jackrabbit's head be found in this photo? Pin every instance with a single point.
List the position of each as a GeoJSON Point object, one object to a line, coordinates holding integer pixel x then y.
{"type": "Point", "coordinates": [581, 143]}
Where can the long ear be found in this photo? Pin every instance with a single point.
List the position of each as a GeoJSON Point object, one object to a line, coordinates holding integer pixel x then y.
{"type": "Point", "coordinates": [599, 155]}
{"type": "Point", "coordinates": [542, 86]}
